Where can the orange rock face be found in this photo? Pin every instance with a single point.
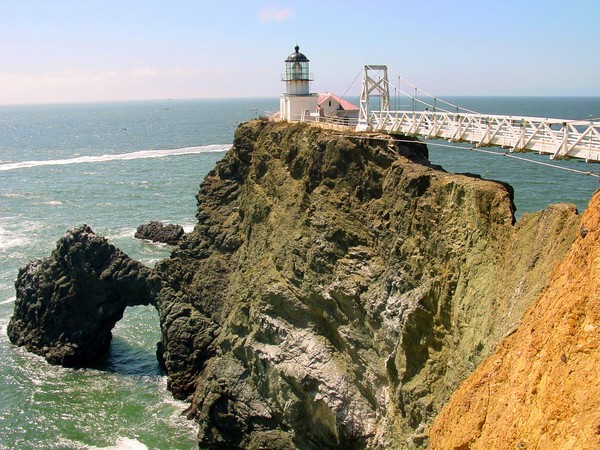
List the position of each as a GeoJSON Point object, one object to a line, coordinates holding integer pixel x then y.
{"type": "Point", "coordinates": [541, 388]}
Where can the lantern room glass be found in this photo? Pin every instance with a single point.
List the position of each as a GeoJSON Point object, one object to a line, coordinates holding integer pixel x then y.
{"type": "Point", "coordinates": [297, 70]}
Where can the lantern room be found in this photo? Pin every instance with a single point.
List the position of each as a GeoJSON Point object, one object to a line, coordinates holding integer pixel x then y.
{"type": "Point", "coordinates": [297, 103]}
{"type": "Point", "coordinates": [297, 76]}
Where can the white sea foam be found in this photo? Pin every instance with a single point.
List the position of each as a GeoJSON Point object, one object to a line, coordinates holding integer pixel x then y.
{"type": "Point", "coordinates": [4, 327]}
{"type": "Point", "coordinates": [123, 443]}
{"type": "Point", "coordinates": [176, 419]}
{"type": "Point", "coordinates": [143, 154]}
{"type": "Point", "coordinates": [53, 203]}
{"type": "Point", "coordinates": [7, 243]}
{"type": "Point", "coordinates": [7, 301]}
{"type": "Point", "coordinates": [122, 233]}
{"type": "Point", "coordinates": [15, 234]}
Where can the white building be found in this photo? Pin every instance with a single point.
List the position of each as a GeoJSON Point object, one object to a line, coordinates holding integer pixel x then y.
{"type": "Point", "coordinates": [332, 106]}
{"type": "Point", "coordinates": [297, 103]}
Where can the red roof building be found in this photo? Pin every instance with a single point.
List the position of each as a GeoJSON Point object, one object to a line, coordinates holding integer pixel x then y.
{"type": "Point", "coordinates": [330, 105]}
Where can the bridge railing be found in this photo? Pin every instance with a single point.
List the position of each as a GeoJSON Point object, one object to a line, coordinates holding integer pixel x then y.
{"type": "Point", "coordinates": [557, 137]}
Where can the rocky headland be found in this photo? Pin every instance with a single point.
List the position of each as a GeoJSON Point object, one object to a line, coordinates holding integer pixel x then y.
{"type": "Point", "coordinates": [336, 290]}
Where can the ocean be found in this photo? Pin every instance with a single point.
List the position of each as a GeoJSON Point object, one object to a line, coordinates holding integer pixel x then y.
{"type": "Point", "coordinates": [117, 165]}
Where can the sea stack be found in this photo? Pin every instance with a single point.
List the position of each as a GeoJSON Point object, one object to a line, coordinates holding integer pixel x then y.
{"type": "Point", "coordinates": [158, 232]}
{"type": "Point", "coordinates": [67, 304]}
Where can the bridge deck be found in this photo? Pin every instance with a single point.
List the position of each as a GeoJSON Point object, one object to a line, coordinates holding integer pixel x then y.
{"type": "Point", "coordinates": [557, 137]}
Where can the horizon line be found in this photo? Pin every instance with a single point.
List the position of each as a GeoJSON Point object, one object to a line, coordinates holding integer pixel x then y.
{"type": "Point", "coordinates": [274, 98]}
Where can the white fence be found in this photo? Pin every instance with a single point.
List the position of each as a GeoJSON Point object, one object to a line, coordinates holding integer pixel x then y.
{"type": "Point", "coordinates": [329, 122]}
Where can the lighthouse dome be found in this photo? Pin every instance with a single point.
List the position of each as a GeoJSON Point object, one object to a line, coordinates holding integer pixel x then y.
{"type": "Point", "coordinates": [296, 56]}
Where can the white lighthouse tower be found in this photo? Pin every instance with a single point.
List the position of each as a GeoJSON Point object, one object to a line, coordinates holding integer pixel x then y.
{"type": "Point", "coordinates": [297, 103]}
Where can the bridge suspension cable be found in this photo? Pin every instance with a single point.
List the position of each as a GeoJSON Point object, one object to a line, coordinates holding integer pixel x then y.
{"type": "Point", "coordinates": [489, 152]}
{"type": "Point", "coordinates": [351, 84]}
{"type": "Point", "coordinates": [520, 158]}
{"type": "Point", "coordinates": [455, 108]}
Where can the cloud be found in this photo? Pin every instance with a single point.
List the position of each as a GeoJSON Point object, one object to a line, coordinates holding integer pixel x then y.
{"type": "Point", "coordinates": [144, 72]}
{"type": "Point", "coordinates": [274, 14]}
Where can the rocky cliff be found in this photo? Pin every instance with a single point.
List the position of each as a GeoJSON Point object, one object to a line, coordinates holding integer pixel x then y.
{"type": "Point", "coordinates": [337, 289]}
{"type": "Point", "coordinates": [541, 387]}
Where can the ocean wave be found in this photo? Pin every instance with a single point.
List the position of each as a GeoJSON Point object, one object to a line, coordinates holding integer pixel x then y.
{"type": "Point", "coordinates": [143, 154]}
{"type": "Point", "coordinates": [16, 234]}
{"type": "Point", "coordinates": [4, 328]}
{"type": "Point", "coordinates": [123, 443]}
{"type": "Point", "coordinates": [53, 203]}
{"type": "Point", "coordinates": [7, 301]}
{"type": "Point", "coordinates": [122, 233]}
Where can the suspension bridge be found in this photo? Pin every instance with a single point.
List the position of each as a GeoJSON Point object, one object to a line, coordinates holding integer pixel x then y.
{"type": "Point", "coordinates": [432, 118]}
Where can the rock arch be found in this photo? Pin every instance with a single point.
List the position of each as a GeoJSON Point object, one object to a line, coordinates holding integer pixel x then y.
{"type": "Point", "coordinates": [67, 304]}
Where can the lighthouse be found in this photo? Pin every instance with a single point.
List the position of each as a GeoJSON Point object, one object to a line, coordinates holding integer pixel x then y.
{"type": "Point", "coordinates": [297, 103]}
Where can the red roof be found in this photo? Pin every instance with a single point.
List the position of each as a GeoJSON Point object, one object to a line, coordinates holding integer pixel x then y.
{"type": "Point", "coordinates": [346, 105]}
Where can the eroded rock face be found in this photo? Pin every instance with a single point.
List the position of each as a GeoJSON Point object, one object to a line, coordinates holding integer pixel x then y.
{"type": "Point", "coordinates": [67, 304]}
{"type": "Point", "coordinates": [157, 232]}
{"type": "Point", "coordinates": [540, 389]}
{"type": "Point", "coordinates": [337, 289]}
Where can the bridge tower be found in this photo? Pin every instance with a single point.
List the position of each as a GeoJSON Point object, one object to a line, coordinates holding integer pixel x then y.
{"type": "Point", "coordinates": [297, 103]}
{"type": "Point", "coordinates": [370, 84]}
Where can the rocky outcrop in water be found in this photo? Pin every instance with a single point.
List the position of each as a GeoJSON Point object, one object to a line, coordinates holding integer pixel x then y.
{"type": "Point", "coordinates": [334, 293]}
{"type": "Point", "coordinates": [337, 289]}
{"type": "Point", "coordinates": [157, 232]}
{"type": "Point", "coordinates": [541, 387]}
{"type": "Point", "coordinates": [67, 304]}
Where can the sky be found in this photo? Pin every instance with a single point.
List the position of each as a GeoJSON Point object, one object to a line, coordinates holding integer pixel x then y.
{"type": "Point", "coordinates": [62, 51]}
